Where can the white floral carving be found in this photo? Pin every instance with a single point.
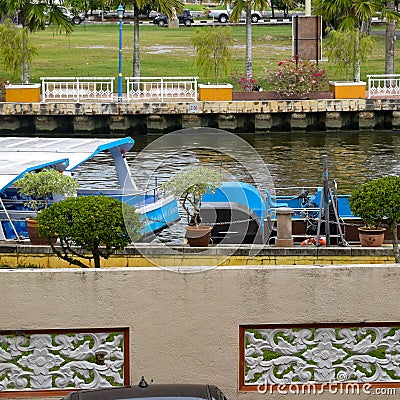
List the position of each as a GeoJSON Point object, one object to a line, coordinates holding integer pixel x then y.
{"type": "Point", "coordinates": [46, 361]}
{"type": "Point", "coordinates": [285, 356]}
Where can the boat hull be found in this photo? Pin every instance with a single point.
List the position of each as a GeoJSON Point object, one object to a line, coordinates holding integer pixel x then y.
{"type": "Point", "coordinates": [231, 223]}
{"type": "Point", "coordinates": [159, 215]}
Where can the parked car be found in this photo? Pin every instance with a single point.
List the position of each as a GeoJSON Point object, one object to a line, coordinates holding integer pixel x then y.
{"type": "Point", "coordinates": [185, 18]}
{"type": "Point", "coordinates": [153, 391]}
{"type": "Point", "coordinates": [113, 14]}
{"type": "Point", "coordinates": [223, 15]}
{"type": "Point", "coordinates": [75, 18]}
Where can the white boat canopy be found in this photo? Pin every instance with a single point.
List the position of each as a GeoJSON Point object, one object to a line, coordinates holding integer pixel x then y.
{"type": "Point", "coordinates": [19, 155]}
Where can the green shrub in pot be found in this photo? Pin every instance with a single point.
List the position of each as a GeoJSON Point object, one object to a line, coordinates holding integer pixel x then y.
{"type": "Point", "coordinates": [377, 203]}
{"type": "Point", "coordinates": [39, 187]}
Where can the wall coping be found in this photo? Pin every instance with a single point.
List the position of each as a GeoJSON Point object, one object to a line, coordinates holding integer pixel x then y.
{"type": "Point", "coordinates": [86, 108]}
{"type": "Point", "coordinates": [226, 250]}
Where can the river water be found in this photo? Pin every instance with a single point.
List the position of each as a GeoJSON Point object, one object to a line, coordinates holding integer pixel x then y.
{"type": "Point", "coordinates": [292, 159]}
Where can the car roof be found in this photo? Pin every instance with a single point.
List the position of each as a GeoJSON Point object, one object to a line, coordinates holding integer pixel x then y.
{"type": "Point", "coordinates": [153, 390]}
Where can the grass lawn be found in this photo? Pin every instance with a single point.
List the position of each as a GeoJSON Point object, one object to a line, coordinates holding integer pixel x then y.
{"type": "Point", "coordinates": [92, 50]}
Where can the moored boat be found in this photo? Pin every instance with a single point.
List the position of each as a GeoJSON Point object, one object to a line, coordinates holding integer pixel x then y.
{"type": "Point", "coordinates": [240, 213]}
{"type": "Point", "coordinates": [19, 155]}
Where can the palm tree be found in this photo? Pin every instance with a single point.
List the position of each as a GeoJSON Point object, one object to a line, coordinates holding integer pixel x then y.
{"type": "Point", "coordinates": [34, 16]}
{"type": "Point", "coordinates": [240, 6]}
{"type": "Point", "coordinates": [167, 7]}
{"type": "Point", "coordinates": [390, 34]}
{"type": "Point", "coordinates": [354, 15]}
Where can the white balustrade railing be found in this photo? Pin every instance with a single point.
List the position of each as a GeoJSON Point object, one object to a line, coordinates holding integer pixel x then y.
{"type": "Point", "coordinates": [385, 85]}
{"type": "Point", "coordinates": [77, 89]}
{"type": "Point", "coordinates": [161, 88]}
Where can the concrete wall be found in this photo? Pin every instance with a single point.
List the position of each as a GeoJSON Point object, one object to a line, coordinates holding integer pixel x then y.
{"type": "Point", "coordinates": [184, 325]}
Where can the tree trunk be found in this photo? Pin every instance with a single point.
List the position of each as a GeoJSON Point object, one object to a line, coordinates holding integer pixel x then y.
{"type": "Point", "coordinates": [25, 69]}
{"type": "Point", "coordinates": [395, 241]}
{"type": "Point", "coordinates": [357, 62]}
{"type": "Point", "coordinates": [390, 32]}
{"type": "Point", "coordinates": [249, 56]}
{"type": "Point", "coordinates": [136, 50]}
{"type": "Point", "coordinates": [96, 258]}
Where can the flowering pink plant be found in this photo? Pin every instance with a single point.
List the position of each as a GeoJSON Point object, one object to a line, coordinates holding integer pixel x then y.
{"type": "Point", "coordinates": [247, 83]}
{"type": "Point", "coordinates": [297, 77]}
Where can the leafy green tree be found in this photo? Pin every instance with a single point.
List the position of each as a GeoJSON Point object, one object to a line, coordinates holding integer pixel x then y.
{"type": "Point", "coordinates": [239, 6]}
{"type": "Point", "coordinates": [13, 51]}
{"type": "Point", "coordinates": [89, 227]}
{"type": "Point", "coordinates": [346, 48]}
{"type": "Point", "coordinates": [378, 202]}
{"type": "Point", "coordinates": [33, 16]}
{"type": "Point", "coordinates": [78, 6]}
{"type": "Point", "coordinates": [353, 16]}
{"type": "Point", "coordinates": [214, 50]}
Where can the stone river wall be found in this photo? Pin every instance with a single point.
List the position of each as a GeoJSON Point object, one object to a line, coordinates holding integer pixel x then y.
{"type": "Point", "coordinates": [234, 116]}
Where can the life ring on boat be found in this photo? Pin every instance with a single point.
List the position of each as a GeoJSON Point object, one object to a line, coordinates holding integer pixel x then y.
{"type": "Point", "coordinates": [313, 241]}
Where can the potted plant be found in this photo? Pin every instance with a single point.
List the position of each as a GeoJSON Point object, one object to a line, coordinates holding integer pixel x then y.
{"type": "Point", "coordinates": [377, 202]}
{"type": "Point", "coordinates": [38, 188]}
{"type": "Point", "coordinates": [189, 186]}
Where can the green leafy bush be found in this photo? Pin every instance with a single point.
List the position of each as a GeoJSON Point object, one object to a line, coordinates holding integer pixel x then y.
{"type": "Point", "coordinates": [378, 202]}
{"type": "Point", "coordinates": [297, 77]}
{"type": "Point", "coordinates": [98, 225]}
{"type": "Point", "coordinates": [40, 186]}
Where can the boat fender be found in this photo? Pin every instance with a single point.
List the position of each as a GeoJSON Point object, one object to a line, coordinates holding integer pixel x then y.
{"type": "Point", "coordinates": [313, 241]}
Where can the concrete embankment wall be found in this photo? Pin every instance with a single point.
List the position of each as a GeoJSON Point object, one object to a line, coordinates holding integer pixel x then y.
{"type": "Point", "coordinates": [234, 116]}
{"type": "Point", "coordinates": [184, 322]}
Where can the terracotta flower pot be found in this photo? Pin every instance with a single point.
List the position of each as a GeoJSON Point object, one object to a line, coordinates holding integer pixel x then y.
{"type": "Point", "coordinates": [198, 236]}
{"type": "Point", "coordinates": [371, 237]}
{"type": "Point", "coordinates": [31, 224]}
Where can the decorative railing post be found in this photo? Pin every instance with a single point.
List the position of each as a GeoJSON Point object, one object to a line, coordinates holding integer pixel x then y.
{"type": "Point", "coordinates": [79, 89]}
{"type": "Point", "coordinates": [43, 90]}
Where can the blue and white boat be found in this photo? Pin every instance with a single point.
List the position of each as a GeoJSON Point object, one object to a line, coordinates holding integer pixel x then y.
{"type": "Point", "coordinates": [20, 155]}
